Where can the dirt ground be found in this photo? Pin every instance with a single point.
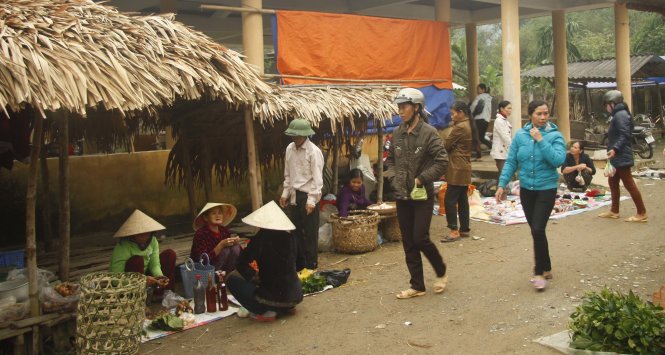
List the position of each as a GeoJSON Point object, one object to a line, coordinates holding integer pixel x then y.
{"type": "Point", "coordinates": [489, 306]}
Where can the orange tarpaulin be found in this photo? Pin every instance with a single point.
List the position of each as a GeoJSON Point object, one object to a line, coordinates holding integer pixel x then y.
{"type": "Point", "coordinates": [323, 45]}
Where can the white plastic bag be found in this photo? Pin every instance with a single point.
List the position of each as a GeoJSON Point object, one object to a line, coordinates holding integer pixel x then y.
{"type": "Point", "coordinates": [325, 238]}
{"type": "Point", "coordinates": [171, 299]}
{"type": "Point", "coordinates": [610, 170]}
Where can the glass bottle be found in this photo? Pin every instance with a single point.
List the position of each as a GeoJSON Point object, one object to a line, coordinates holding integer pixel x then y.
{"type": "Point", "coordinates": [222, 297]}
{"type": "Point", "coordinates": [199, 296]}
{"type": "Point", "coordinates": [211, 295]}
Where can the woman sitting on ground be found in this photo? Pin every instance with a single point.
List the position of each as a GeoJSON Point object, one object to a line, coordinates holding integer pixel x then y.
{"type": "Point", "coordinates": [138, 251]}
{"type": "Point", "coordinates": [274, 289]}
{"type": "Point", "coordinates": [213, 238]}
{"type": "Point", "coordinates": [578, 168]}
{"type": "Point", "coordinates": [352, 196]}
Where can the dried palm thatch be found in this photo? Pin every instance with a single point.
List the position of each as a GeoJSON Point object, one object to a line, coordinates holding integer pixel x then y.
{"type": "Point", "coordinates": [215, 137]}
{"type": "Point", "coordinates": [76, 54]}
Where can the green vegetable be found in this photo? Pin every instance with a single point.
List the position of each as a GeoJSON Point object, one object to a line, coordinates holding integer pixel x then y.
{"type": "Point", "coordinates": [314, 283]}
{"type": "Point", "coordinates": [167, 321]}
{"type": "Point", "coordinates": [611, 321]}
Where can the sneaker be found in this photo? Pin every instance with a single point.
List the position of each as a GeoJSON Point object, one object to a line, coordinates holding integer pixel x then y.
{"type": "Point", "coordinates": [268, 316]}
{"type": "Point", "coordinates": [539, 282]}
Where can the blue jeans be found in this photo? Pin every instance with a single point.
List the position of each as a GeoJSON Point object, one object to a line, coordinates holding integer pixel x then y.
{"type": "Point", "coordinates": [537, 205]}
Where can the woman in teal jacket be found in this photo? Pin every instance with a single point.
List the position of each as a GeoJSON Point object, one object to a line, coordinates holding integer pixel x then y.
{"type": "Point", "coordinates": [538, 150]}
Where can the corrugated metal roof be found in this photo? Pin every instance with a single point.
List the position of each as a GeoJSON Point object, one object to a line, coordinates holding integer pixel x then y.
{"type": "Point", "coordinates": [604, 70]}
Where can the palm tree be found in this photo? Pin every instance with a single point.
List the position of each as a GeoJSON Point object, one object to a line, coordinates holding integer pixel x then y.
{"type": "Point", "coordinates": [546, 44]}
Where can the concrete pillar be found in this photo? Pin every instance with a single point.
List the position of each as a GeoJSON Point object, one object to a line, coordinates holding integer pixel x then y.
{"type": "Point", "coordinates": [472, 69]}
{"type": "Point", "coordinates": [252, 42]}
{"type": "Point", "coordinates": [442, 10]}
{"type": "Point", "coordinates": [622, 48]}
{"type": "Point", "coordinates": [510, 38]}
{"type": "Point", "coordinates": [561, 72]}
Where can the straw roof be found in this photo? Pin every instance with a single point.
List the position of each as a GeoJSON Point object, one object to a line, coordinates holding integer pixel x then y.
{"type": "Point", "coordinates": [75, 54]}
{"type": "Point", "coordinates": [338, 104]}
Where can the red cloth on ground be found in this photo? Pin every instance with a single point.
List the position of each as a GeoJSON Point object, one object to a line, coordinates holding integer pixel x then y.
{"type": "Point", "coordinates": [167, 261]}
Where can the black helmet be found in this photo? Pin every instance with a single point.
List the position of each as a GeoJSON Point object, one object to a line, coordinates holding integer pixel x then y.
{"type": "Point", "coordinates": [613, 96]}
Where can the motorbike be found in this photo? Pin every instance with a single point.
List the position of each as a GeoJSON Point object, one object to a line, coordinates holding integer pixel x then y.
{"type": "Point", "coordinates": [642, 140]}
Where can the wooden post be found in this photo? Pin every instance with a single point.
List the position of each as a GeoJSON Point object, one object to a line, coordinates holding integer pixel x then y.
{"type": "Point", "coordinates": [335, 161]}
{"type": "Point", "coordinates": [587, 99]}
{"type": "Point", "coordinates": [187, 167]}
{"type": "Point", "coordinates": [659, 97]}
{"type": "Point", "coordinates": [45, 197]}
{"type": "Point", "coordinates": [63, 213]}
{"type": "Point", "coordinates": [30, 202]}
{"type": "Point", "coordinates": [379, 186]}
{"type": "Point", "coordinates": [206, 169]}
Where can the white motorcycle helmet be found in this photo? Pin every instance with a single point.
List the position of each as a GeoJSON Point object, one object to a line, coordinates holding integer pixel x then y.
{"type": "Point", "coordinates": [413, 96]}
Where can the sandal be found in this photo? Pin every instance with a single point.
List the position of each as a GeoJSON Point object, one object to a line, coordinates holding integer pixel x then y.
{"type": "Point", "coordinates": [440, 284]}
{"type": "Point", "coordinates": [539, 282]}
{"type": "Point", "coordinates": [609, 215]}
{"type": "Point", "coordinates": [268, 316]}
{"type": "Point", "coordinates": [637, 219]}
{"type": "Point", "coordinates": [410, 293]}
{"type": "Point", "coordinates": [449, 238]}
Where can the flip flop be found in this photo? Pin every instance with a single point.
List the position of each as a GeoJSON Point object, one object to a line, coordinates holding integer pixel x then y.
{"type": "Point", "coordinates": [637, 219]}
{"type": "Point", "coordinates": [609, 215]}
{"type": "Point", "coordinates": [410, 293]}
{"type": "Point", "coordinates": [448, 239]}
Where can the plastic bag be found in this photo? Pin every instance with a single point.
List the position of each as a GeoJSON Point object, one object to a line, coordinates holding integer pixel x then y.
{"type": "Point", "coordinates": [52, 301]}
{"type": "Point", "coordinates": [43, 276]}
{"type": "Point", "coordinates": [171, 299]}
{"type": "Point", "coordinates": [610, 170]}
{"type": "Point", "coordinates": [13, 312]}
{"type": "Point", "coordinates": [418, 193]}
{"type": "Point", "coordinates": [335, 278]}
{"type": "Point", "coordinates": [442, 199]}
{"type": "Point", "coordinates": [325, 238]}
{"type": "Point", "coordinates": [488, 188]}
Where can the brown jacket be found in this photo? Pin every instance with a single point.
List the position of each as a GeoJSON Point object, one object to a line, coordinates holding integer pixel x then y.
{"type": "Point", "coordinates": [419, 154]}
{"type": "Point", "coordinates": [458, 144]}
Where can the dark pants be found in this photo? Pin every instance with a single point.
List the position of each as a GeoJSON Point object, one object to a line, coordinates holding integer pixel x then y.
{"type": "Point", "coordinates": [625, 176]}
{"type": "Point", "coordinates": [414, 221]}
{"type": "Point", "coordinates": [167, 261]}
{"type": "Point", "coordinates": [499, 164]}
{"type": "Point", "coordinates": [537, 205]}
{"type": "Point", "coordinates": [227, 259]}
{"type": "Point", "coordinates": [244, 291]}
{"type": "Point", "coordinates": [306, 233]}
{"type": "Point", "coordinates": [481, 125]}
{"type": "Point", "coordinates": [573, 184]}
{"type": "Point", "coordinates": [456, 197]}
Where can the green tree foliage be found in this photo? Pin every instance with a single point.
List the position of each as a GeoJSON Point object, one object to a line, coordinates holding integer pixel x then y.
{"type": "Point", "coordinates": [648, 35]}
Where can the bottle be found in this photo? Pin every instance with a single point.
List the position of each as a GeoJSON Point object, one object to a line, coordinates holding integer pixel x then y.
{"type": "Point", "coordinates": [211, 295]}
{"type": "Point", "coordinates": [199, 296]}
{"type": "Point", "coordinates": [222, 297]}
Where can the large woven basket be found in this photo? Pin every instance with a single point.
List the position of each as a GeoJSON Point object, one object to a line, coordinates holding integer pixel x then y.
{"type": "Point", "coordinates": [110, 313]}
{"type": "Point", "coordinates": [390, 228]}
{"type": "Point", "coordinates": [356, 233]}
{"type": "Point", "coordinates": [384, 209]}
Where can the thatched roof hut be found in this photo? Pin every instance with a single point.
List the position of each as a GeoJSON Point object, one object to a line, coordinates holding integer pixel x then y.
{"type": "Point", "coordinates": [214, 145]}
{"type": "Point", "coordinates": [75, 54]}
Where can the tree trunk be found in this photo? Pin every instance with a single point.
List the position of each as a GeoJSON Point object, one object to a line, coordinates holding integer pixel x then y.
{"type": "Point", "coordinates": [30, 235]}
{"type": "Point", "coordinates": [63, 178]}
{"type": "Point", "coordinates": [206, 170]}
{"type": "Point", "coordinates": [189, 180]}
{"type": "Point", "coordinates": [45, 198]}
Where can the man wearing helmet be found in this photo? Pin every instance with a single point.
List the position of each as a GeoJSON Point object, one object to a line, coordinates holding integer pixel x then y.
{"type": "Point", "coordinates": [620, 154]}
{"type": "Point", "coordinates": [417, 158]}
{"type": "Point", "coordinates": [303, 181]}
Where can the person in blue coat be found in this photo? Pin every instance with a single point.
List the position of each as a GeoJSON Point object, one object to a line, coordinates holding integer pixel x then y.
{"type": "Point", "coordinates": [537, 150]}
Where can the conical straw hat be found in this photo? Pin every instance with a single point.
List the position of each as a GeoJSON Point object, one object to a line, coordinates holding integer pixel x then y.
{"type": "Point", "coordinates": [138, 223]}
{"type": "Point", "coordinates": [229, 211]}
{"type": "Point", "coordinates": [270, 216]}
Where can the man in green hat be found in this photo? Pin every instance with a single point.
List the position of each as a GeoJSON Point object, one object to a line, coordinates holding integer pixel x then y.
{"type": "Point", "coordinates": [303, 181]}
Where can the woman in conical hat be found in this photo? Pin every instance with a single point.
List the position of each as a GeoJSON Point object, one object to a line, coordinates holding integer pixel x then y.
{"type": "Point", "coordinates": [138, 251]}
{"type": "Point", "coordinates": [275, 289]}
{"type": "Point", "coordinates": [213, 238]}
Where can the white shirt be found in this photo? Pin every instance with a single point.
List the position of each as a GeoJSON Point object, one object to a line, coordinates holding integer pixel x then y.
{"type": "Point", "coordinates": [501, 137]}
{"type": "Point", "coordinates": [303, 171]}
{"type": "Point", "coordinates": [487, 107]}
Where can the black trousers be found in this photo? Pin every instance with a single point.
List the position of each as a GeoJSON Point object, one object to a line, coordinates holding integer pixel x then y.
{"type": "Point", "coordinates": [306, 233]}
{"type": "Point", "coordinates": [481, 125]}
{"type": "Point", "coordinates": [573, 184]}
{"type": "Point", "coordinates": [537, 205]}
{"type": "Point", "coordinates": [414, 222]}
{"type": "Point", "coordinates": [456, 197]}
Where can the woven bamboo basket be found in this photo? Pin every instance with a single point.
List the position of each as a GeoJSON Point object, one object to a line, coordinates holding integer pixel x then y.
{"type": "Point", "coordinates": [356, 233]}
{"type": "Point", "coordinates": [110, 313]}
{"type": "Point", "coordinates": [384, 209]}
{"type": "Point", "coordinates": [390, 228]}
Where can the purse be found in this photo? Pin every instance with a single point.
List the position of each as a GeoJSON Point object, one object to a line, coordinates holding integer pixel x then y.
{"type": "Point", "coordinates": [418, 193]}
